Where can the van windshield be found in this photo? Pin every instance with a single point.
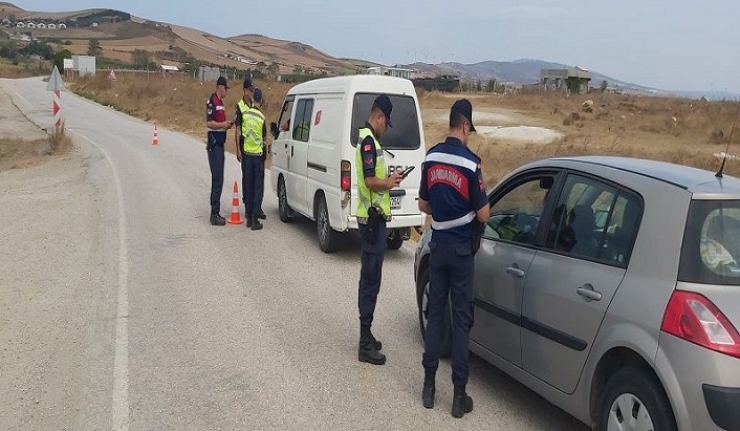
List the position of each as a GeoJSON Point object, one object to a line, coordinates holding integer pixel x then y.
{"type": "Point", "coordinates": [405, 132]}
{"type": "Point", "coordinates": [711, 248]}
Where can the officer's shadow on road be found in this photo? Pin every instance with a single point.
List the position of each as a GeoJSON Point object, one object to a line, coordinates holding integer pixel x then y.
{"type": "Point", "coordinates": [348, 248]}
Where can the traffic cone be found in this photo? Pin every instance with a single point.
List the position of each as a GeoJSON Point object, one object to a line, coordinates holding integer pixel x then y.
{"type": "Point", "coordinates": [235, 218]}
{"type": "Point", "coordinates": [155, 141]}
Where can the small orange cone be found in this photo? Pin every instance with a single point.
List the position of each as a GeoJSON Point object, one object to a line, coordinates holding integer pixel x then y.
{"type": "Point", "coordinates": [155, 141]}
{"type": "Point", "coordinates": [235, 218]}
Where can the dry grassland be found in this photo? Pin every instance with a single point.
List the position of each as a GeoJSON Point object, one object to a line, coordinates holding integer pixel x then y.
{"type": "Point", "coordinates": [682, 131]}
{"type": "Point", "coordinates": [18, 153]}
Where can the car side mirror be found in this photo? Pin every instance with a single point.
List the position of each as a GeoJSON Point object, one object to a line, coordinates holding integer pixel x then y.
{"type": "Point", "coordinates": [274, 129]}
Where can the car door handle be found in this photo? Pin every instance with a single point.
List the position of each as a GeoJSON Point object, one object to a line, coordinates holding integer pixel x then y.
{"type": "Point", "coordinates": [588, 292]}
{"type": "Point", "coordinates": [292, 151]}
{"type": "Point", "coordinates": [515, 271]}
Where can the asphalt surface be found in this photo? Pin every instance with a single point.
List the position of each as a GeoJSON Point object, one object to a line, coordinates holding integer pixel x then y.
{"type": "Point", "coordinates": [173, 324]}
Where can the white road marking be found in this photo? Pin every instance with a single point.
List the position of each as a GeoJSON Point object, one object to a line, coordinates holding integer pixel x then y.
{"type": "Point", "coordinates": [120, 406]}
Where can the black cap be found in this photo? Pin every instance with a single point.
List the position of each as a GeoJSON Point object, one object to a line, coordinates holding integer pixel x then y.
{"type": "Point", "coordinates": [222, 81]}
{"type": "Point", "coordinates": [464, 108]}
{"type": "Point", "coordinates": [383, 103]}
{"type": "Point", "coordinates": [248, 83]}
{"type": "Point", "coordinates": [257, 94]}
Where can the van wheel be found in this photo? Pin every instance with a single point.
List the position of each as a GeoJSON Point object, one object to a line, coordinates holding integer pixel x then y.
{"type": "Point", "coordinates": [328, 237]}
{"type": "Point", "coordinates": [286, 214]}
{"type": "Point", "coordinates": [634, 400]}
{"type": "Point", "coordinates": [395, 239]}
{"type": "Point", "coordinates": [422, 300]}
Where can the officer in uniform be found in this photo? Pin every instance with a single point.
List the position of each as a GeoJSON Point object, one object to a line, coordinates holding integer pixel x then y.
{"type": "Point", "coordinates": [453, 193]}
{"type": "Point", "coordinates": [253, 131]}
{"type": "Point", "coordinates": [244, 104]}
{"type": "Point", "coordinates": [373, 212]}
{"type": "Point", "coordinates": [217, 125]}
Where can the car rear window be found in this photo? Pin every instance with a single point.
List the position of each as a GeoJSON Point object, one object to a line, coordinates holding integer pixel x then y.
{"type": "Point", "coordinates": [405, 132]}
{"type": "Point", "coordinates": [711, 248]}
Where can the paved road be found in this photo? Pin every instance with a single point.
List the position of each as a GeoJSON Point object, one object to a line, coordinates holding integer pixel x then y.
{"type": "Point", "coordinates": [184, 332]}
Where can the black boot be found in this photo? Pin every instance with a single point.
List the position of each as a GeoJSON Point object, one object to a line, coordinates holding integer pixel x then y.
{"type": "Point", "coordinates": [217, 220]}
{"type": "Point", "coordinates": [367, 351]}
{"type": "Point", "coordinates": [427, 393]}
{"type": "Point", "coordinates": [365, 332]}
{"type": "Point", "coordinates": [256, 225]}
{"type": "Point", "coordinates": [461, 402]}
{"type": "Point", "coordinates": [249, 220]}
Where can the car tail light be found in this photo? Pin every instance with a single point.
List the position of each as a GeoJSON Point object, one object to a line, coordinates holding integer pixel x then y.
{"type": "Point", "coordinates": [346, 175]}
{"type": "Point", "coordinates": [694, 318]}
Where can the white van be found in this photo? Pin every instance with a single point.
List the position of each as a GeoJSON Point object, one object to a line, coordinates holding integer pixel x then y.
{"type": "Point", "coordinates": [313, 153]}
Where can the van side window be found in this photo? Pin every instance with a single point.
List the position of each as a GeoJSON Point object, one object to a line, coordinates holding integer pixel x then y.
{"type": "Point", "coordinates": [302, 121]}
{"type": "Point", "coordinates": [285, 113]}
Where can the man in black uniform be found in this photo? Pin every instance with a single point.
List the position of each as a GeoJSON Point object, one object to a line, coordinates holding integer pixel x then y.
{"type": "Point", "coordinates": [217, 125]}
{"type": "Point", "coordinates": [453, 192]}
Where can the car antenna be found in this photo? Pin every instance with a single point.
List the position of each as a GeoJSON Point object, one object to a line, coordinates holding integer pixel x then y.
{"type": "Point", "coordinates": [729, 140]}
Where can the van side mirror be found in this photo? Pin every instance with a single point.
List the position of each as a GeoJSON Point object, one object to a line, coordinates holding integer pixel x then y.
{"type": "Point", "coordinates": [274, 129]}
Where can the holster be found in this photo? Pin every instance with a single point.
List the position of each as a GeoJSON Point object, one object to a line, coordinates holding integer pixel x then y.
{"type": "Point", "coordinates": [210, 142]}
{"type": "Point", "coordinates": [476, 232]}
{"type": "Point", "coordinates": [373, 220]}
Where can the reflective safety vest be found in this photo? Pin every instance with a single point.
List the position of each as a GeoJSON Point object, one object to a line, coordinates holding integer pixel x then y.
{"type": "Point", "coordinates": [367, 197]}
{"type": "Point", "coordinates": [252, 122]}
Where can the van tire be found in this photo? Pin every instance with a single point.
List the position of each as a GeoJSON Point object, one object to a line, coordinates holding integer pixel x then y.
{"type": "Point", "coordinates": [395, 240]}
{"type": "Point", "coordinates": [328, 237]}
{"type": "Point", "coordinates": [286, 214]}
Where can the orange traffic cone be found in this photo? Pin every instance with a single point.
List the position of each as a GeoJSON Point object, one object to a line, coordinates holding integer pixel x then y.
{"type": "Point", "coordinates": [235, 218]}
{"type": "Point", "coordinates": [155, 141]}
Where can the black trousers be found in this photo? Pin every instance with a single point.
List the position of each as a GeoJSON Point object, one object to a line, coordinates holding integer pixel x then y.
{"type": "Point", "coordinates": [451, 276]}
{"type": "Point", "coordinates": [253, 184]}
{"type": "Point", "coordinates": [371, 272]}
{"type": "Point", "coordinates": [216, 161]}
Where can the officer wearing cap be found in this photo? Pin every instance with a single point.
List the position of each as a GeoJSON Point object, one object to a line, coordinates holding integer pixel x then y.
{"type": "Point", "coordinates": [244, 104]}
{"type": "Point", "coordinates": [217, 125]}
{"type": "Point", "coordinates": [251, 153]}
{"type": "Point", "coordinates": [373, 212]}
{"type": "Point", "coordinates": [453, 193]}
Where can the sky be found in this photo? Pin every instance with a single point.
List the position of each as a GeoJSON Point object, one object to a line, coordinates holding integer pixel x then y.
{"type": "Point", "coordinates": [676, 45]}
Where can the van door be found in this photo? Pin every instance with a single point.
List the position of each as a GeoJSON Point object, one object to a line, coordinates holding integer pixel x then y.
{"type": "Point", "coordinates": [298, 155]}
{"type": "Point", "coordinates": [402, 146]}
{"type": "Point", "coordinates": [280, 147]}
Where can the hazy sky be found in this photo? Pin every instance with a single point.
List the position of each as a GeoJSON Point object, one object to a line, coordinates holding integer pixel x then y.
{"type": "Point", "coordinates": [666, 44]}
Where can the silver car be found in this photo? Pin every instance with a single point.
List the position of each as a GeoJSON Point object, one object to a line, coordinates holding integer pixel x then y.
{"type": "Point", "coordinates": [611, 287]}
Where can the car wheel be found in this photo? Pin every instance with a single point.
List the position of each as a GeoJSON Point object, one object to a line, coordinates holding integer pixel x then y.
{"type": "Point", "coordinates": [395, 240]}
{"type": "Point", "coordinates": [286, 214]}
{"type": "Point", "coordinates": [328, 237]}
{"type": "Point", "coordinates": [634, 400]}
{"type": "Point", "coordinates": [422, 299]}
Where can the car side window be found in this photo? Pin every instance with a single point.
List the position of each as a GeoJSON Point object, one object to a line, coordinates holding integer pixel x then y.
{"type": "Point", "coordinates": [302, 121]}
{"type": "Point", "coordinates": [516, 215]}
{"type": "Point", "coordinates": [594, 220]}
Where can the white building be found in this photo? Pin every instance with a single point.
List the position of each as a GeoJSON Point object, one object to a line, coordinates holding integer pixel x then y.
{"type": "Point", "coordinates": [31, 25]}
{"type": "Point", "coordinates": [52, 26]}
{"type": "Point", "coordinates": [62, 26]}
{"type": "Point", "coordinates": [20, 24]}
{"type": "Point", "coordinates": [83, 64]}
{"type": "Point", "coordinates": [390, 71]}
{"type": "Point", "coordinates": [41, 26]}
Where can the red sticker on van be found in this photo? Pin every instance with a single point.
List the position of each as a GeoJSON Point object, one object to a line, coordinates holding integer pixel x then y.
{"type": "Point", "coordinates": [318, 118]}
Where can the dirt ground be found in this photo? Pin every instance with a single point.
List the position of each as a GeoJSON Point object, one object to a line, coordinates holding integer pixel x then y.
{"type": "Point", "coordinates": [513, 128]}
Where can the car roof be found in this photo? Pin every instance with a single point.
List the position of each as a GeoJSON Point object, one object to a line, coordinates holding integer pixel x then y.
{"type": "Point", "coordinates": [694, 180]}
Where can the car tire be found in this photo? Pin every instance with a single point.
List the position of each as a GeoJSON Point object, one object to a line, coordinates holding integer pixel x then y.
{"type": "Point", "coordinates": [286, 213]}
{"type": "Point", "coordinates": [633, 394]}
{"type": "Point", "coordinates": [395, 240]}
{"type": "Point", "coordinates": [422, 292]}
{"type": "Point", "coordinates": [328, 237]}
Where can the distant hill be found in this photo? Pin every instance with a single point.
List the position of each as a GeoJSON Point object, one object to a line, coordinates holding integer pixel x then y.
{"type": "Point", "coordinates": [120, 34]}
